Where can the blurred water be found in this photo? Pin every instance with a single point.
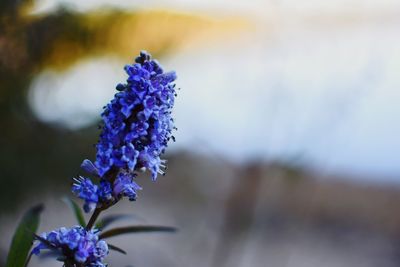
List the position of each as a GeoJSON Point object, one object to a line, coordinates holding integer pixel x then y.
{"type": "Point", "coordinates": [328, 97]}
{"type": "Point", "coordinates": [321, 96]}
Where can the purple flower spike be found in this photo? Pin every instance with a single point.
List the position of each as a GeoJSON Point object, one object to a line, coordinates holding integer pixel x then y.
{"type": "Point", "coordinates": [137, 122]}
{"type": "Point", "coordinates": [136, 128]}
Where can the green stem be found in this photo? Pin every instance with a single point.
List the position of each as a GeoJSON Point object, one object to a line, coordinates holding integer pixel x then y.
{"type": "Point", "coordinates": [93, 218]}
{"type": "Point", "coordinates": [111, 177]}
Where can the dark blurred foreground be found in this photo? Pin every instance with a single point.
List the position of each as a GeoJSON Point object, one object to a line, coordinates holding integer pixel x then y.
{"type": "Point", "coordinates": [255, 215]}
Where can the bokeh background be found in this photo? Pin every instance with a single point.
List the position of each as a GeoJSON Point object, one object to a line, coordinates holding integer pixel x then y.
{"type": "Point", "coordinates": [288, 125]}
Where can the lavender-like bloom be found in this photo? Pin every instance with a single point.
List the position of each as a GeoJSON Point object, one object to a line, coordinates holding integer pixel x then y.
{"type": "Point", "coordinates": [137, 126]}
{"type": "Point", "coordinates": [137, 122]}
{"type": "Point", "coordinates": [76, 245]}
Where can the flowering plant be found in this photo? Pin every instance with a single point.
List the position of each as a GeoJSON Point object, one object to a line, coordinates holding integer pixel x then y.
{"type": "Point", "coordinates": [136, 127]}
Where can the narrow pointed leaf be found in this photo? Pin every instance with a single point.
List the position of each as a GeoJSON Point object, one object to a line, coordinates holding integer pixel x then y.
{"type": "Point", "coordinates": [120, 250]}
{"type": "Point", "coordinates": [23, 238]}
{"type": "Point", "coordinates": [107, 220]}
{"type": "Point", "coordinates": [136, 229]}
{"type": "Point", "coordinates": [76, 210]}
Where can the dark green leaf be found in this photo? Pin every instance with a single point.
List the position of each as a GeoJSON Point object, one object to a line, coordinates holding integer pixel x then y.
{"type": "Point", "coordinates": [120, 250]}
{"type": "Point", "coordinates": [107, 220]}
{"type": "Point", "coordinates": [23, 238]}
{"type": "Point", "coordinates": [76, 210]}
{"type": "Point", "coordinates": [136, 229]}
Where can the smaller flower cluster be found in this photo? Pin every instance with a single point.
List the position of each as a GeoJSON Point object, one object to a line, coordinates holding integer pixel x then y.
{"type": "Point", "coordinates": [105, 192]}
{"type": "Point", "coordinates": [76, 244]}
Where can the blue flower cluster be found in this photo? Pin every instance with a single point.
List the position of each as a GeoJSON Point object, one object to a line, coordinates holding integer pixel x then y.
{"type": "Point", "coordinates": [137, 126]}
{"type": "Point", "coordinates": [137, 122]}
{"type": "Point", "coordinates": [77, 245]}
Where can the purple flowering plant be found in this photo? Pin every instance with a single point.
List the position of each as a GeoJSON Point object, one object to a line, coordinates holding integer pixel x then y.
{"type": "Point", "coordinates": [136, 128]}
